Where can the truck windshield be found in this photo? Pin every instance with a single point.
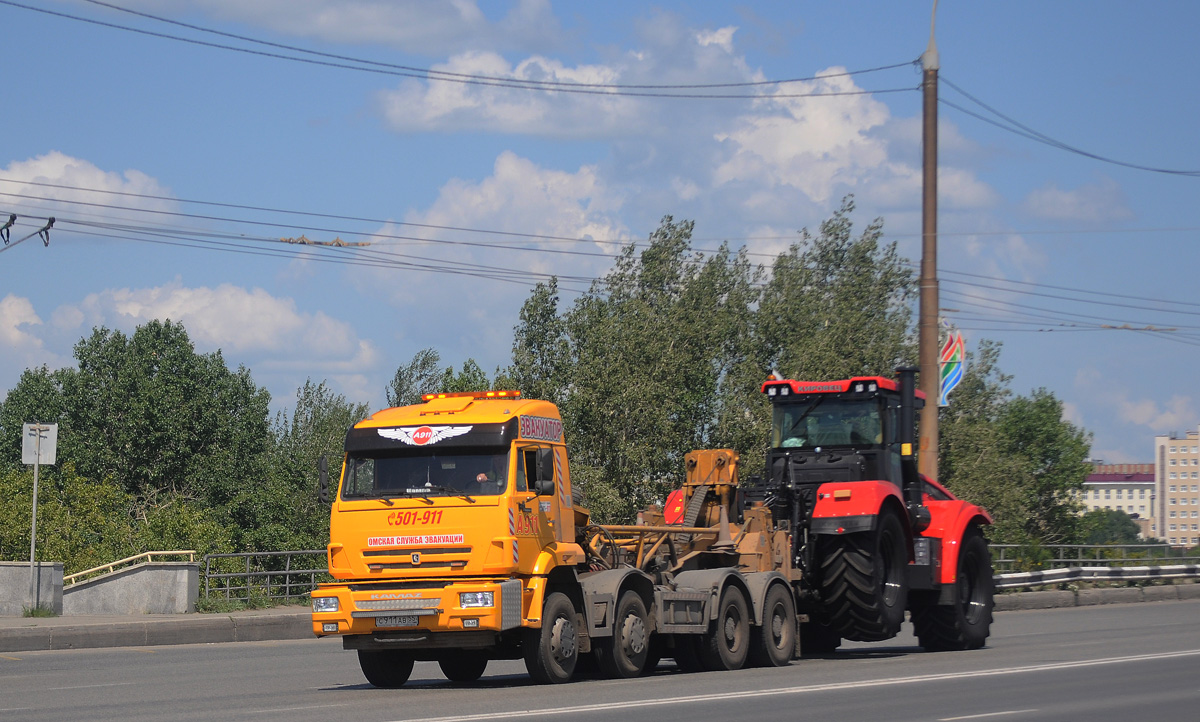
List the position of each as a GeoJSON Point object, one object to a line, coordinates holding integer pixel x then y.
{"type": "Point", "coordinates": [826, 421]}
{"type": "Point", "coordinates": [482, 472]}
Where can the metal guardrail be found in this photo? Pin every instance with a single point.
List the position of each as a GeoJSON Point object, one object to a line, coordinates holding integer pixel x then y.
{"type": "Point", "coordinates": [270, 576]}
{"type": "Point", "coordinates": [1006, 556]}
{"type": "Point", "coordinates": [1021, 580]}
{"type": "Point", "coordinates": [111, 567]}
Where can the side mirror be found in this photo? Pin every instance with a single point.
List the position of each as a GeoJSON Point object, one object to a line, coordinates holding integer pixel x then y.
{"type": "Point", "coordinates": [323, 479]}
{"type": "Point", "coordinates": [545, 487]}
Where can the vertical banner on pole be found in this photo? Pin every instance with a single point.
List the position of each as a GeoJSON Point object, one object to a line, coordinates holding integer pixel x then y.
{"type": "Point", "coordinates": [950, 366]}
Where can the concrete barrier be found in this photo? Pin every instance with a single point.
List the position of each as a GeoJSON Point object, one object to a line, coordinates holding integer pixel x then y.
{"type": "Point", "coordinates": [150, 588]}
{"type": "Point", "coordinates": [14, 587]}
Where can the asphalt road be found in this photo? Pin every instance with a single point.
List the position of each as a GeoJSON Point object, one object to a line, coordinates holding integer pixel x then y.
{"type": "Point", "coordinates": [1117, 662]}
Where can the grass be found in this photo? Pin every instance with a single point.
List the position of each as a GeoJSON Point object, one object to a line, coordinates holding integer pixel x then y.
{"type": "Point", "coordinates": [220, 605]}
{"type": "Point", "coordinates": [41, 610]}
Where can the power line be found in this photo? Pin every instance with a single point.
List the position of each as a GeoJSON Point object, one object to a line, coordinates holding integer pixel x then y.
{"type": "Point", "coordinates": [1018, 128]}
{"type": "Point", "coordinates": [448, 75]}
{"type": "Point", "coordinates": [425, 74]}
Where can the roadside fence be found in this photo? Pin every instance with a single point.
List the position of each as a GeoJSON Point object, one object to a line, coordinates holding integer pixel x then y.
{"type": "Point", "coordinates": [270, 576]}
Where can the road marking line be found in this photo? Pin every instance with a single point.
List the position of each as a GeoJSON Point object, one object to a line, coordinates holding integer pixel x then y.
{"type": "Point", "coordinates": [14, 659]}
{"type": "Point", "coordinates": [987, 714]}
{"type": "Point", "coordinates": [293, 709]}
{"type": "Point", "coordinates": [89, 686]}
{"type": "Point", "coordinates": [741, 695]}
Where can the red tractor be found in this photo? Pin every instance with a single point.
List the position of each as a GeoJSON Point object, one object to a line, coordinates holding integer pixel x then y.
{"type": "Point", "coordinates": [870, 535]}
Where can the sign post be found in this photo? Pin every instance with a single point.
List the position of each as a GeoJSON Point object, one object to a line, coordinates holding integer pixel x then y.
{"type": "Point", "coordinates": [39, 445]}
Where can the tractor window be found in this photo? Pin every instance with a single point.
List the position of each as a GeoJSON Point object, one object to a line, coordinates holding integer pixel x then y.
{"type": "Point", "coordinates": [827, 421]}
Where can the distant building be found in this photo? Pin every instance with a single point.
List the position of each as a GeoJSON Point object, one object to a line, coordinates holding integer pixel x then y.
{"type": "Point", "coordinates": [1177, 481]}
{"type": "Point", "coordinates": [1123, 487]}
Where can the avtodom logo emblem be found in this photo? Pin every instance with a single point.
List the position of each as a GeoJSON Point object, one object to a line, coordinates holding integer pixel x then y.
{"type": "Point", "coordinates": [422, 435]}
{"type": "Point", "coordinates": [416, 558]}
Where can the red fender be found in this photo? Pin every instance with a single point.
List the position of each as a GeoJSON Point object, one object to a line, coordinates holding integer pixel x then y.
{"type": "Point", "coordinates": [949, 521]}
{"type": "Point", "coordinates": [845, 507]}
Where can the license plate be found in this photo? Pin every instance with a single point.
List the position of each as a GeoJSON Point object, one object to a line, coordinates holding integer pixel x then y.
{"type": "Point", "coordinates": [404, 620]}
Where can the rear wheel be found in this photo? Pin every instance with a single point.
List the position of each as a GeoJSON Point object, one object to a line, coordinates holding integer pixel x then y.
{"type": "Point", "coordinates": [775, 641]}
{"type": "Point", "coordinates": [624, 654]}
{"type": "Point", "coordinates": [551, 652]}
{"type": "Point", "coordinates": [728, 641]}
{"type": "Point", "coordinates": [966, 623]}
{"type": "Point", "coordinates": [863, 583]}
{"type": "Point", "coordinates": [385, 668]}
{"type": "Point", "coordinates": [463, 665]}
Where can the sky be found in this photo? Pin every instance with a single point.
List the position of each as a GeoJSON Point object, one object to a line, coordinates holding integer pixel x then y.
{"type": "Point", "coordinates": [176, 148]}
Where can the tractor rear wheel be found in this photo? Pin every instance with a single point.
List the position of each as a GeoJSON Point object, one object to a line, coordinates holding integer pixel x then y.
{"type": "Point", "coordinates": [862, 580]}
{"type": "Point", "coordinates": [966, 623]}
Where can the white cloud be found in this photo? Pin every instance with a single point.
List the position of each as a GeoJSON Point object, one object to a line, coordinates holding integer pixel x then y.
{"type": "Point", "coordinates": [1176, 412]}
{"type": "Point", "coordinates": [16, 315]}
{"type": "Point", "coordinates": [722, 38]}
{"type": "Point", "coordinates": [246, 322]}
{"type": "Point", "coordinates": [50, 184]}
{"type": "Point", "coordinates": [1096, 202]}
{"type": "Point", "coordinates": [419, 26]}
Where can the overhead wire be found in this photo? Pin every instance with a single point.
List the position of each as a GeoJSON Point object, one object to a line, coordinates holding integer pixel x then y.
{"type": "Point", "coordinates": [515, 83]}
{"type": "Point", "coordinates": [1018, 128]}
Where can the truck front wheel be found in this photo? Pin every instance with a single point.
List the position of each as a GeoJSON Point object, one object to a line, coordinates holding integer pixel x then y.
{"type": "Point", "coordinates": [386, 668]}
{"type": "Point", "coordinates": [466, 665]}
{"type": "Point", "coordinates": [624, 654]}
{"type": "Point", "coordinates": [863, 581]}
{"type": "Point", "coordinates": [551, 652]}
{"type": "Point", "coordinates": [966, 623]}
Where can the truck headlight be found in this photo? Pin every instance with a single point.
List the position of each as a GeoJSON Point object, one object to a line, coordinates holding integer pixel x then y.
{"type": "Point", "coordinates": [476, 599]}
{"type": "Point", "coordinates": [325, 604]}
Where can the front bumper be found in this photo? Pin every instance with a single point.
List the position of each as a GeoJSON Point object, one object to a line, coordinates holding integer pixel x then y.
{"type": "Point", "coordinates": [428, 606]}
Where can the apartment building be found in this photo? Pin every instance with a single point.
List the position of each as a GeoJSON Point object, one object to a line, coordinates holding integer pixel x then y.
{"type": "Point", "coordinates": [1177, 482]}
{"type": "Point", "coordinates": [1123, 487]}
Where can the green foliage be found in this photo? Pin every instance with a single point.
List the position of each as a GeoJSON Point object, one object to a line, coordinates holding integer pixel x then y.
{"type": "Point", "coordinates": [41, 610]}
{"type": "Point", "coordinates": [1108, 526]}
{"type": "Point", "coordinates": [281, 511]}
{"type": "Point", "coordinates": [37, 398]}
{"type": "Point", "coordinates": [420, 376]}
{"type": "Point", "coordinates": [471, 378]}
{"type": "Point", "coordinates": [1015, 456]}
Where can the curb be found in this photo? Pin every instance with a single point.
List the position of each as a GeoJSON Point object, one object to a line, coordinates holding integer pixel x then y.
{"type": "Point", "coordinates": [1092, 597]}
{"type": "Point", "coordinates": [183, 629]}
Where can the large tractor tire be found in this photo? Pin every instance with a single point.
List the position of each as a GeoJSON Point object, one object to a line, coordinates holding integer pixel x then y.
{"type": "Point", "coordinates": [862, 580]}
{"type": "Point", "coordinates": [551, 652]}
{"type": "Point", "coordinates": [624, 654]}
{"type": "Point", "coordinates": [966, 623]}
{"type": "Point", "coordinates": [386, 668]}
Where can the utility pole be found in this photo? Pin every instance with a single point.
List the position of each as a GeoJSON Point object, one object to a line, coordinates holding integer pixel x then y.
{"type": "Point", "coordinates": [927, 459]}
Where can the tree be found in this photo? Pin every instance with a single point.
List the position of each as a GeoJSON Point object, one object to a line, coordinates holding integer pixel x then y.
{"type": "Point", "coordinates": [837, 305]}
{"type": "Point", "coordinates": [541, 354]}
{"type": "Point", "coordinates": [471, 378]}
{"type": "Point", "coordinates": [420, 376]}
{"type": "Point", "coordinates": [1108, 526]}
{"type": "Point", "coordinates": [282, 511]}
{"type": "Point", "coordinates": [160, 418]}
{"type": "Point", "coordinates": [1015, 456]}
{"type": "Point", "coordinates": [37, 398]}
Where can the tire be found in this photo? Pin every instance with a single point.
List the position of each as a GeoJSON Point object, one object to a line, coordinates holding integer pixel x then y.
{"type": "Point", "coordinates": [687, 653]}
{"type": "Point", "coordinates": [463, 665]}
{"type": "Point", "coordinates": [551, 652]}
{"type": "Point", "coordinates": [773, 643]}
{"type": "Point", "coordinates": [727, 643]}
{"type": "Point", "coordinates": [385, 668]}
{"type": "Point", "coordinates": [967, 623]}
{"type": "Point", "coordinates": [624, 655]}
{"type": "Point", "coordinates": [863, 580]}
{"type": "Point", "coordinates": [817, 638]}
{"type": "Point", "coordinates": [655, 655]}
